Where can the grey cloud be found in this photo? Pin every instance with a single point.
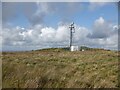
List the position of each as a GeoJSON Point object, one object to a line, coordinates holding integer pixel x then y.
{"type": "Point", "coordinates": [36, 12]}
{"type": "Point", "coordinates": [101, 29]}
{"type": "Point", "coordinates": [36, 19]}
{"type": "Point", "coordinates": [0, 11]}
{"type": "Point", "coordinates": [9, 10]}
{"type": "Point", "coordinates": [98, 34]}
{"type": "Point", "coordinates": [30, 10]}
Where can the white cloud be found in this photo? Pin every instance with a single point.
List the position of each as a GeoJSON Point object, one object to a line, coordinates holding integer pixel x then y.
{"type": "Point", "coordinates": [103, 35]}
{"type": "Point", "coordinates": [100, 21]}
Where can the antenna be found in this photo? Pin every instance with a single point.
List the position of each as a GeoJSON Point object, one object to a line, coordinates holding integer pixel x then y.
{"type": "Point", "coordinates": [72, 30]}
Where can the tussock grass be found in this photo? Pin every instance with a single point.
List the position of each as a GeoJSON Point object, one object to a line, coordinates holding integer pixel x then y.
{"type": "Point", "coordinates": [58, 68]}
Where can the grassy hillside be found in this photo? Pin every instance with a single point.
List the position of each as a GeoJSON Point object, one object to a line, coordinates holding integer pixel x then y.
{"type": "Point", "coordinates": [59, 68]}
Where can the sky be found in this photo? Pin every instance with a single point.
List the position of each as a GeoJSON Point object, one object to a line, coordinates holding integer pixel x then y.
{"type": "Point", "coordinates": [36, 25]}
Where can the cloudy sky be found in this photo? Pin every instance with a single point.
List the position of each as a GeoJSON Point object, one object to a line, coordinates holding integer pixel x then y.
{"type": "Point", "coordinates": [34, 25]}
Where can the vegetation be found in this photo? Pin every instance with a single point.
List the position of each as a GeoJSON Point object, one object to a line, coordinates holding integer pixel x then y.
{"type": "Point", "coordinates": [59, 68]}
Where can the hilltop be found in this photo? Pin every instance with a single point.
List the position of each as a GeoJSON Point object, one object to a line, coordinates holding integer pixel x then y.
{"type": "Point", "coordinates": [60, 68]}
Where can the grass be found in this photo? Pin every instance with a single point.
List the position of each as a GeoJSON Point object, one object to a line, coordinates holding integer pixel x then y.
{"type": "Point", "coordinates": [58, 68]}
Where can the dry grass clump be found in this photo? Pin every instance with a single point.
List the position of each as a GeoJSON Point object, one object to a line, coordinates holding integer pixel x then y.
{"type": "Point", "coordinates": [60, 69]}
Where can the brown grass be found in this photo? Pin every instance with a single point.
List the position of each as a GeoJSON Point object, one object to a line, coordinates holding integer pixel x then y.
{"type": "Point", "coordinates": [60, 69]}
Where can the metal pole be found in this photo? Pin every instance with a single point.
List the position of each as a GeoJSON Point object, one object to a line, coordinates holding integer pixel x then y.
{"type": "Point", "coordinates": [70, 37]}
